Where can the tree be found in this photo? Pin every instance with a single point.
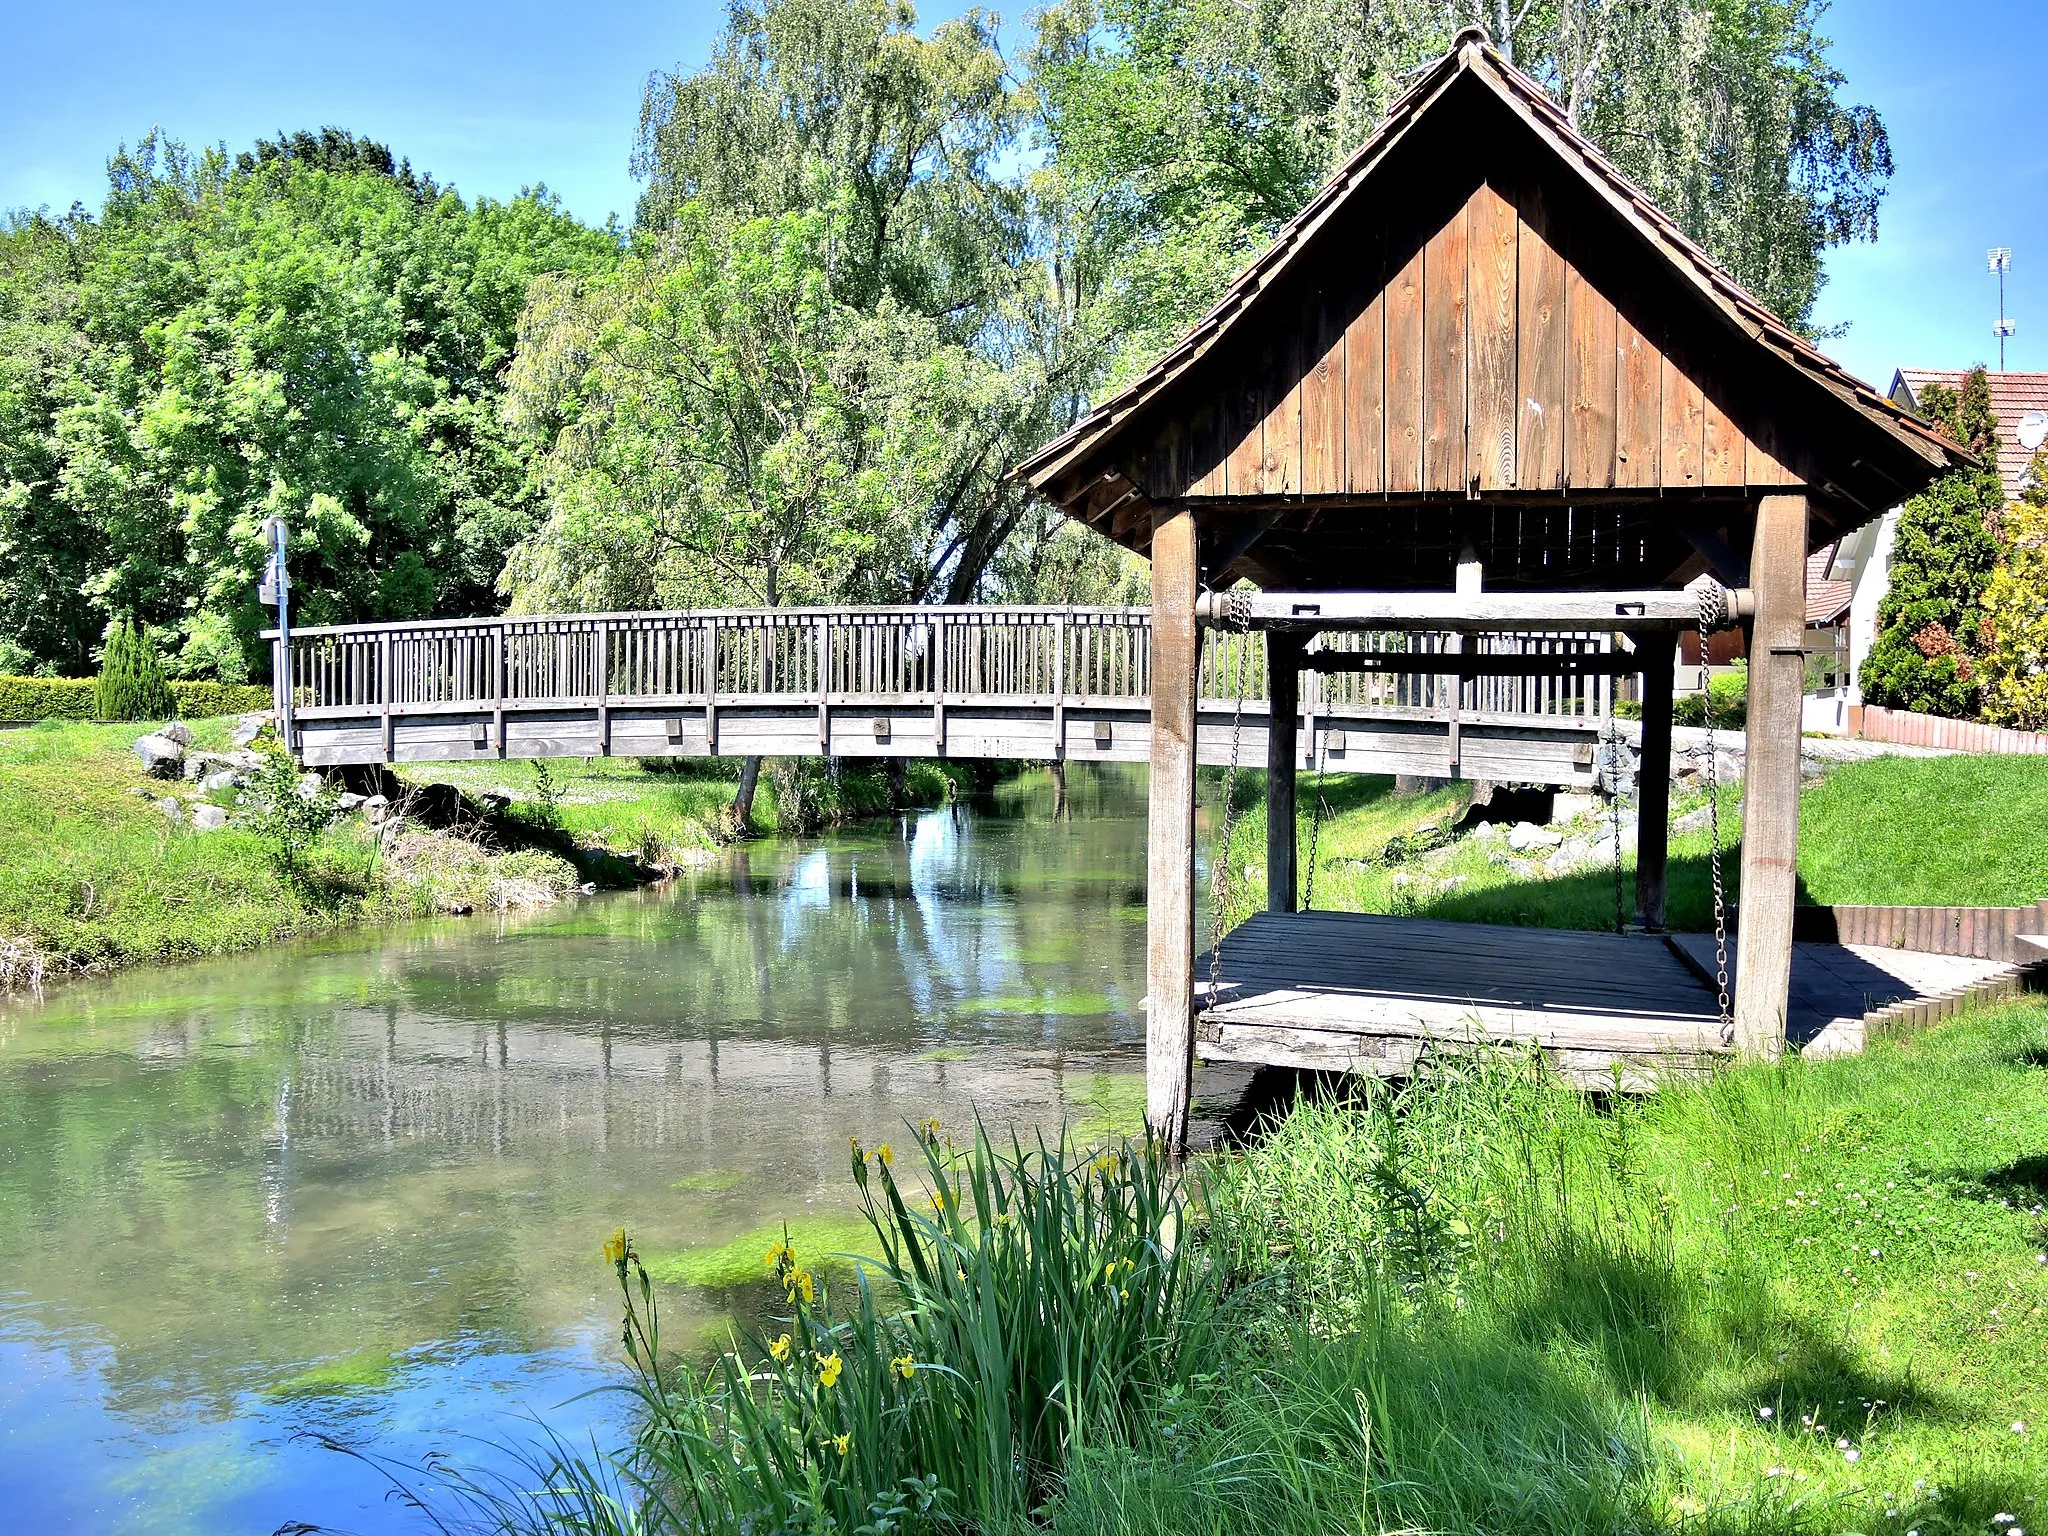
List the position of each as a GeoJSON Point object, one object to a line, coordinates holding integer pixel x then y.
{"type": "Point", "coordinates": [2015, 629]}
{"type": "Point", "coordinates": [1929, 647]}
{"type": "Point", "coordinates": [131, 683]}
{"type": "Point", "coordinates": [313, 331]}
{"type": "Point", "coordinates": [1188, 130]}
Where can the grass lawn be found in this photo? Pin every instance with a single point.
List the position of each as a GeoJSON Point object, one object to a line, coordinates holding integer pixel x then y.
{"type": "Point", "coordinates": [1933, 831]}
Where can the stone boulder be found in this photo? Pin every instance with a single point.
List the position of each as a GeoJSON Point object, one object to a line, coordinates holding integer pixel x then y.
{"type": "Point", "coordinates": [376, 810]}
{"type": "Point", "coordinates": [345, 803]}
{"type": "Point", "coordinates": [1525, 836]}
{"type": "Point", "coordinates": [249, 727]}
{"type": "Point", "coordinates": [162, 757]}
{"type": "Point", "coordinates": [310, 785]}
{"type": "Point", "coordinates": [208, 818]}
{"type": "Point", "coordinates": [223, 778]}
{"type": "Point", "coordinates": [173, 810]}
{"type": "Point", "coordinates": [179, 732]}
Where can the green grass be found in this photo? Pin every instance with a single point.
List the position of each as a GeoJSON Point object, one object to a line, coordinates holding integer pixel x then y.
{"type": "Point", "coordinates": [1797, 1298]}
{"type": "Point", "coordinates": [93, 878]}
{"type": "Point", "coordinates": [1893, 831]}
{"type": "Point", "coordinates": [826, 1240]}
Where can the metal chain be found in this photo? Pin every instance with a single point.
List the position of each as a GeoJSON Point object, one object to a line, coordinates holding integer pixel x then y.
{"type": "Point", "coordinates": [1710, 605]}
{"type": "Point", "coordinates": [1236, 615]}
{"type": "Point", "coordinates": [1315, 836]}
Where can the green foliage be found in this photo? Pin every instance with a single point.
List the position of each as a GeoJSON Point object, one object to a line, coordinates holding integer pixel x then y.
{"type": "Point", "coordinates": [1726, 701]}
{"type": "Point", "coordinates": [1929, 645]}
{"type": "Point", "coordinates": [544, 810]}
{"type": "Point", "coordinates": [2015, 628]}
{"type": "Point", "coordinates": [282, 818]}
{"type": "Point", "coordinates": [309, 332]}
{"type": "Point", "coordinates": [72, 698]}
{"type": "Point", "coordinates": [131, 683]}
{"type": "Point", "coordinates": [1184, 132]}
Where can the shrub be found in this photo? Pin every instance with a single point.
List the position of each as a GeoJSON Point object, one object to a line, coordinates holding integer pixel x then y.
{"type": "Point", "coordinates": [73, 698]}
{"type": "Point", "coordinates": [1727, 698]}
{"type": "Point", "coordinates": [131, 683]}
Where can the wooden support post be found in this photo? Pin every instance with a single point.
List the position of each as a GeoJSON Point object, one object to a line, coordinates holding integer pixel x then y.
{"type": "Point", "coordinates": [384, 693]}
{"type": "Point", "coordinates": [1770, 820]}
{"type": "Point", "coordinates": [604, 689]}
{"type": "Point", "coordinates": [1283, 752]}
{"type": "Point", "coordinates": [498, 686]}
{"type": "Point", "coordinates": [1659, 656]}
{"type": "Point", "coordinates": [1170, 830]}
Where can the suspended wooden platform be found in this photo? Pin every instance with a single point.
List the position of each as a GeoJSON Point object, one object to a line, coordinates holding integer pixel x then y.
{"type": "Point", "coordinates": [1349, 992]}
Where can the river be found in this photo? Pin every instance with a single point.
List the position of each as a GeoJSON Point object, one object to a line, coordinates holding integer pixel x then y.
{"type": "Point", "coordinates": [356, 1191]}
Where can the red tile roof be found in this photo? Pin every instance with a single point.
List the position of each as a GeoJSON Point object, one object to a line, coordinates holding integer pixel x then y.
{"type": "Point", "coordinates": [2013, 395]}
{"type": "Point", "coordinates": [1826, 601]}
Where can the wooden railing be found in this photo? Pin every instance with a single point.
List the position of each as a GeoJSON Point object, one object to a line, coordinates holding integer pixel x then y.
{"type": "Point", "coordinates": [908, 655]}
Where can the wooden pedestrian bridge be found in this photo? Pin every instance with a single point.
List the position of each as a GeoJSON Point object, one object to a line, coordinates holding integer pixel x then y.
{"type": "Point", "coordinates": [1048, 683]}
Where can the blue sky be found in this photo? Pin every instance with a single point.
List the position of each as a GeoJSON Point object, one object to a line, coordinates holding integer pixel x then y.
{"type": "Point", "coordinates": [494, 97]}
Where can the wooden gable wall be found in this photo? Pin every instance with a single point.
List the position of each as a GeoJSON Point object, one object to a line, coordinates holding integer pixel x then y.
{"type": "Point", "coordinates": [1502, 338]}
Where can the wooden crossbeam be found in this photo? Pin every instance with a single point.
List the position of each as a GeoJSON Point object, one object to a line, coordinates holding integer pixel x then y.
{"type": "Point", "coordinates": [1471, 664]}
{"type": "Point", "coordinates": [1644, 611]}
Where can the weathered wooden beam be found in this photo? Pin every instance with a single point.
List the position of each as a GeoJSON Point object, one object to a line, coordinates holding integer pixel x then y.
{"type": "Point", "coordinates": [1283, 691]}
{"type": "Point", "coordinates": [1468, 664]}
{"type": "Point", "coordinates": [1640, 611]}
{"type": "Point", "coordinates": [1170, 829]}
{"type": "Point", "coordinates": [1770, 819]}
{"type": "Point", "coordinates": [1658, 655]}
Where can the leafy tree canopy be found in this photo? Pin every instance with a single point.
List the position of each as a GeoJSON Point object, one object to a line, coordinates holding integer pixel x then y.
{"type": "Point", "coordinates": [310, 330]}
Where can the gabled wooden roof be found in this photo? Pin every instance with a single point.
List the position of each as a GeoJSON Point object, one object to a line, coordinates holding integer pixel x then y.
{"type": "Point", "coordinates": [1581, 351]}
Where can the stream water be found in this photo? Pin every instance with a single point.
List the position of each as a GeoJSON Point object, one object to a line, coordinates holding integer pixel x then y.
{"type": "Point", "coordinates": [356, 1190]}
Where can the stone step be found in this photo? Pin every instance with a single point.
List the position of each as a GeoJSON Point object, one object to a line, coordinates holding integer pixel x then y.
{"type": "Point", "coordinates": [2037, 941]}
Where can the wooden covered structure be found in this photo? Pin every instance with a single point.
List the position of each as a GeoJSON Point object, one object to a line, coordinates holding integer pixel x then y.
{"type": "Point", "coordinates": [1481, 383]}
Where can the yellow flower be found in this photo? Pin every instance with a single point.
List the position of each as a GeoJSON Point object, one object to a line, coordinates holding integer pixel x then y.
{"type": "Point", "coordinates": [799, 1281]}
{"type": "Point", "coordinates": [931, 1129]}
{"type": "Point", "coordinates": [615, 1247]}
{"type": "Point", "coordinates": [904, 1366]}
{"type": "Point", "coordinates": [779, 1255]}
{"type": "Point", "coordinates": [938, 1202]}
{"type": "Point", "coordinates": [884, 1156]}
{"type": "Point", "coordinates": [829, 1367]}
{"type": "Point", "coordinates": [841, 1442]}
{"type": "Point", "coordinates": [780, 1350]}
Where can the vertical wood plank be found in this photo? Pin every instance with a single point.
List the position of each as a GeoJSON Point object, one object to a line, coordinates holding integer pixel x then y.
{"type": "Point", "coordinates": [1542, 349]}
{"type": "Point", "coordinates": [1638, 405]}
{"type": "Point", "coordinates": [1323, 393]}
{"type": "Point", "coordinates": [1589, 384]}
{"type": "Point", "coordinates": [1365, 383]}
{"type": "Point", "coordinates": [1723, 454]}
{"type": "Point", "coordinates": [1685, 425]}
{"type": "Point", "coordinates": [1245, 466]}
{"type": "Point", "coordinates": [1653, 780]}
{"type": "Point", "coordinates": [1404, 373]}
{"type": "Point", "coordinates": [1170, 830]}
{"type": "Point", "coordinates": [1491, 377]}
{"type": "Point", "coordinates": [1445, 305]}
{"type": "Point", "coordinates": [1770, 821]}
{"type": "Point", "coordinates": [1280, 433]}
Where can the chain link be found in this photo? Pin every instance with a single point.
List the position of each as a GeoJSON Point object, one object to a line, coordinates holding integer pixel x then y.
{"type": "Point", "coordinates": [1711, 614]}
{"type": "Point", "coordinates": [1315, 836]}
{"type": "Point", "coordinates": [1614, 782]}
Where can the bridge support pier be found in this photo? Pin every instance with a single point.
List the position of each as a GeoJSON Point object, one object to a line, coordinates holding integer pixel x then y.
{"type": "Point", "coordinates": [1170, 830]}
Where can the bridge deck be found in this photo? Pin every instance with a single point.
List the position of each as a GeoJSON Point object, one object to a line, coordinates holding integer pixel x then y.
{"type": "Point", "coordinates": [1350, 992]}
{"type": "Point", "coordinates": [988, 682]}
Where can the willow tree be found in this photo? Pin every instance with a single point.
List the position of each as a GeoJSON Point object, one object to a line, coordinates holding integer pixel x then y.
{"type": "Point", "coordinates": [1188, 130]}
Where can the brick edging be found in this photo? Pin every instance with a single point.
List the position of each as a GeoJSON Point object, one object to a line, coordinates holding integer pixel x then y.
{"type": "Point", "coordinates": [1986, 933]}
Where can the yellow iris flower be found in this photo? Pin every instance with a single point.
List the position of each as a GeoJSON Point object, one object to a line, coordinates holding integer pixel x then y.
{"type": "Point", "coordinates": [884, 1155]}
{"type": "Point", "coordinates": [904, 1366]}
{"type": "Point", "coordinates": [798, 1281]}
{"type": "Point", "coordinates": [780, 1254]}
{"type": "Point", "coordinates": [780, 1350]}
{"type": "Point", "coordinates": [829, 1367]}
{"type": "Point", "coordinates": [615, 1247]}
{"type": "Point", "coordinates": [841, 1442]}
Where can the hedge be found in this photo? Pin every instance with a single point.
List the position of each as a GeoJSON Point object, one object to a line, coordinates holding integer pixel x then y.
{"type": "Point", "coordinates": [71, 698]}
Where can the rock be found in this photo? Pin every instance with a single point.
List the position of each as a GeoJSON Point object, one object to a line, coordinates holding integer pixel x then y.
{"type": "Point", "coordinates": [1564, 807]}
{"type": "Point", "coordinates": [249, 728]}
{"type": "Point", "coordinates": [1809, 769]}
{"type": "Point", "coordinates": [1402, 881]}
{"type": "Point", "coordinates": [376, 809]}
{"type": "Point", "coordinates": [310, 785]}
{"type": "Point", "coordinates": [1488, 832]}
{"type": "Point", "coordinates": [142, 790]}
{"type": "Point", "coordinates": [1728, 767]}
{"type": "Point", "coordinates": [161, 757]}
{"type": "Point", "coordinates": [1694, 821]}
{"type": "Point", "coordinates": [173, 809]}
{"type": "Point", "coordinates": [208, 818]}
{"type": "Point", "coordinates": [1451, 883]}
{"type": "Point", "coordinates": [245, 762]}
{"type": "Point", "coordinates": [588, 888]}
{"type": "Point", "coordinates": [1427, 827]}
{"type": "Point", "coordinates": [1525, 835]}
{"type": "Point", "coordinates": [177, 731]}
{"type": "Point", "coordinates": [494, 804]}
{"type": "Point", "coordinates": [345, 803]}
{"type": "Point", "coordinates": [225, 778]}
{"type": "Point", "coordinates": [458, 909]}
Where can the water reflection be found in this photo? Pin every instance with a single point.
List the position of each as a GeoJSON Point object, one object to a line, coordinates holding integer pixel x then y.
{"type": "Point", "coordinates": [358, 1187]}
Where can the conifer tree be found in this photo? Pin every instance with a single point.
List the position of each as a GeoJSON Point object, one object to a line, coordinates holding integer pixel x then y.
{"type": "Point", "coordinates": [2016, 611]}
{"type": "Point", "coordinates": [131, 683]}
{"type": "Point", "coordinates": [1929, 650]}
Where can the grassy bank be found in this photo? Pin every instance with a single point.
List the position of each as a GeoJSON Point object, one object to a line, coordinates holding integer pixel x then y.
{"type": "Point", "coordinates": [94, 878]}
{"type": "Point", "coordinates": [1803, 1298]}
{"type": "Point", "coordinates": [1934, 831]}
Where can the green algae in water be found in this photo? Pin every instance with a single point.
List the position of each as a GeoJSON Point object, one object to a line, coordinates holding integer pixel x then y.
{"type": "Point", "coordinates": [1050, 1005]}
{"type": "Point", "coordinates": [946, 1053]}
{"type": "Point", "coordinates": [713, 1181]}
{"type": "Point", "coordinates": [1115, 1102]}
{"type": "Point", "coordinates": [367, 1370]}
{"type": "Point", "coordinates": [821, 1242]}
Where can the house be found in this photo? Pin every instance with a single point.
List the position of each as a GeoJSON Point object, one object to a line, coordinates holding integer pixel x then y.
{"type": "Point", "coordinates": [1846, 581]}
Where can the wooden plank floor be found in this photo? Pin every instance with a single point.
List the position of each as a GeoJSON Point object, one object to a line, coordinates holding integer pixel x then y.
{"type": "Point", "coordinates": [1352, 992]}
